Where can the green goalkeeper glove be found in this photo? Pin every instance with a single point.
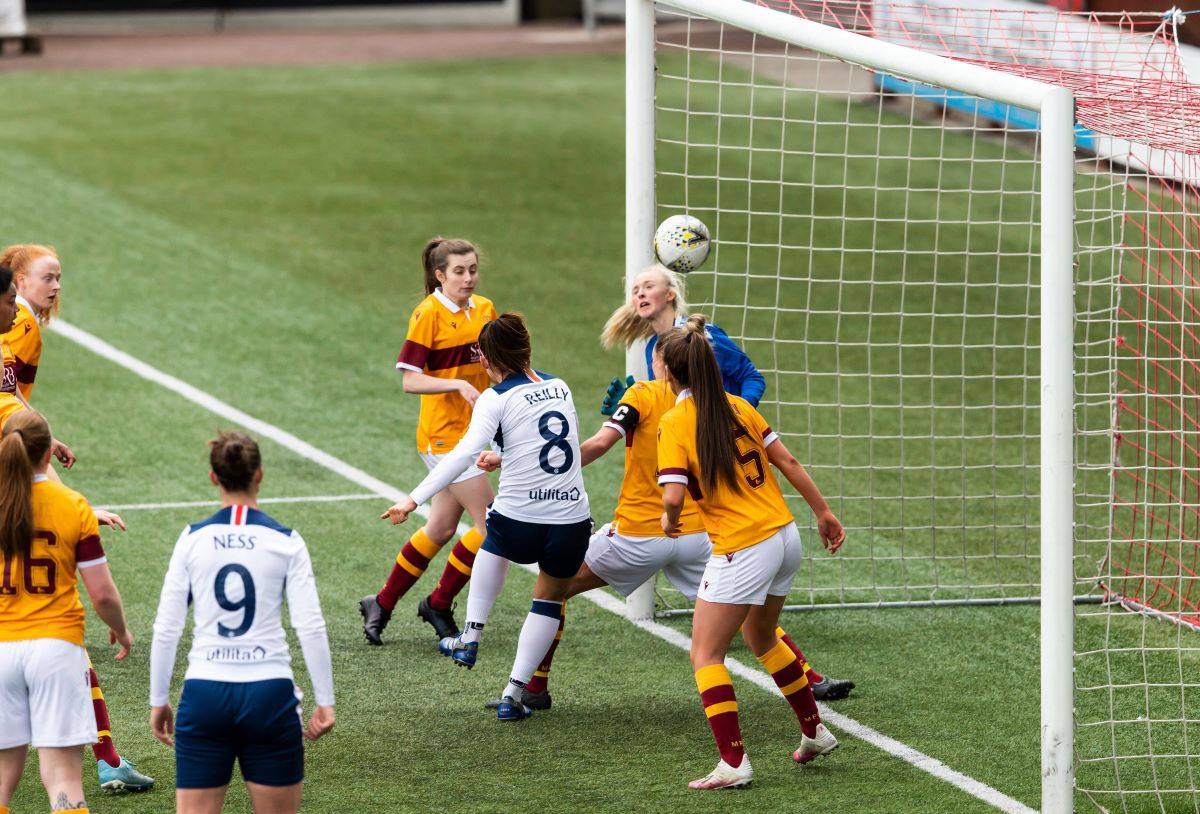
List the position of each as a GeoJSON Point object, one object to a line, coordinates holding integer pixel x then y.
{"type": "Point", "coordinates": [612, 397]}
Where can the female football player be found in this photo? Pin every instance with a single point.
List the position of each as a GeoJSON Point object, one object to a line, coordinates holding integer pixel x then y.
{"type": "Point", "coordinates": [47, 533]}
{"type": "Point", "coordinates": [541, 512]}
{"type": "Point", "coordinates": [239, 700]}
{"type": "Point", "coordinates": [37, 274]}
{"type": "Point", "coordinates": [37, 277]}
{"type": "Point", "coordinates": [655, 306]}
{"type": "Point", "coordinates": [440, 361]}
{"type": "Point", "coordinates": [11, 399]}
{"type": "Point", "coordinates": [715, 447]}
{"type": "Point", "coordinates": [632, 548]}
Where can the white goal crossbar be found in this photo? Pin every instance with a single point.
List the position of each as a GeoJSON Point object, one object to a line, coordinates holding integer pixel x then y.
{"type": "Point", "coordinates": [1055, 107]}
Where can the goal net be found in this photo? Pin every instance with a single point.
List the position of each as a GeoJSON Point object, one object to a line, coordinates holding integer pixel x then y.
{"type": "Point", "coordinates": [877, 253]}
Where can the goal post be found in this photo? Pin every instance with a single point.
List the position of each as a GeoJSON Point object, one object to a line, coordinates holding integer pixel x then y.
{"type": "Point", "coordinates": [1054, 107]}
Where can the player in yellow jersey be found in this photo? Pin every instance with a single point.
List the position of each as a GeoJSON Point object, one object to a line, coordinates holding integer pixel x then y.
{"type": "Point", "coordinates": [47, 533]}
{"type": "Point", "coordinates": [440, 361]}
{"type": "Point", "coordinates": [37, 274]}
{"type": "Point", "coordinates": [715, 448]}
{"type": "Point", "coordinates": [36, 279]}
{"type": "Point", "coordinates": [632, 548]}
{"type": "Point", "coordinates": [12, 400]}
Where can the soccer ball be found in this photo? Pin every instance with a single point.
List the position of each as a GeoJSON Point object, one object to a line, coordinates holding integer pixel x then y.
{"type": "Point", "coordinates": [681, 243]}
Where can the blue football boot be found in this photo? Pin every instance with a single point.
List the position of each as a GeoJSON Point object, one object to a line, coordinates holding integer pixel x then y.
{"type": "Point", "coordinates": [124, 776]}
{"type": "Point", "coordinates": [512, 710]}
{"type": "Point", "coordinates": [463, 653]}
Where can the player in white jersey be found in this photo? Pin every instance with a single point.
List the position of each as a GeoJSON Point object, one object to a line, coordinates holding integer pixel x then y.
{"type": "Point", "coordinates": [239, 699]}
{"type": "Point", "coordinates": [540, 513]}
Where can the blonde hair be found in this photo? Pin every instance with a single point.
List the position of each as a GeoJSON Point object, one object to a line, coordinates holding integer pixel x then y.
{"type": "Point", "coordinates": [20, 257]}
{"type": "Point", "coordinates": [25, 441]}
{"type": "Point", "coordinates": [625, 327]}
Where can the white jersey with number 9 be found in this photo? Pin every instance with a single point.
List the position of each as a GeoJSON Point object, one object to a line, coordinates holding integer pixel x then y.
{"type": "Point", "coordinates": [235, 568]}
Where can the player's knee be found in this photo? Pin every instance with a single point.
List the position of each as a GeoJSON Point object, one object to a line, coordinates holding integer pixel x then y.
{"type": "Point", "coordinates": [759, 637]}
{"type": "Point", "coordinates": [439, 534]}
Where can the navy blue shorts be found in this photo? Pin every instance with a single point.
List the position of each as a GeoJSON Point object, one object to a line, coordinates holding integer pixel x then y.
{"type": "Point", "coordinates": [255, 722]}
{"type": "Point", "coordinates": [557, 549]}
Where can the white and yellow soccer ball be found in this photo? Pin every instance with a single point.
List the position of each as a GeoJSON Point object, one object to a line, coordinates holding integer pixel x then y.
{"type": "Point", "coordinates": [681, 243]}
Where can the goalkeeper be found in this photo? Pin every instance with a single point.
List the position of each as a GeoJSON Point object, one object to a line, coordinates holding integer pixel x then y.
{"type": "Point", "coordinates": [655, 306]}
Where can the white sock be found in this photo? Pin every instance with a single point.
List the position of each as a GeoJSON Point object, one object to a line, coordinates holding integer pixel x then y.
{"type": "Point", "coordinates": [537, 634]}
{"type": "Point", "coordinates": [487, 580]}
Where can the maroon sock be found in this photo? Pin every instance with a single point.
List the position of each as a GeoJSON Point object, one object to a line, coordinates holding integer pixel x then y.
{"type": "Point", "coordinates": [720, 705]}
{"type": "Point", "coordinates": [813, 676]}
{"type": "Point", "coordinates": [104, 748]}
{"type": "Point", "coordinates": [789, 676]}
{"type": "Point", "coordinates": [410, 565]}
{"type": "Point", "coordinates": [457, 572]}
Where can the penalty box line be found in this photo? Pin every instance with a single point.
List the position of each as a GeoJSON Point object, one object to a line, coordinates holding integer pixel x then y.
{"type": "Point", "coordinates": [200, 504]}
{"type": "Point", "coordinates": [919, 760]}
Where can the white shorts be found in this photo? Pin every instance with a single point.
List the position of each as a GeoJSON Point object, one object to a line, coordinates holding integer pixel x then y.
{"type": "Point", "coordinates": [431, 460]}
{"type": "Point", "coordinates": [748, 576]}
{"type": "Point", "coordinates": [626, 562]}
{"type": "Point", "coordinates": [45, 694]}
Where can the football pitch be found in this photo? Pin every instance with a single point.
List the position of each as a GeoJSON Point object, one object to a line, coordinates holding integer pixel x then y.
{"type": "Point", "coordinates": [256, 233]}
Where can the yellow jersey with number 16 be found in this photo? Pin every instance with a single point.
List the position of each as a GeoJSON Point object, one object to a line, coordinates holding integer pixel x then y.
{"type": "Point", "coordinates": [39, 597]}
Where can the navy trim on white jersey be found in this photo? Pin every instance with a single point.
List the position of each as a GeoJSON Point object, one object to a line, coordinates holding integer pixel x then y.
{"type": "Point", "coordinates": [517, 379]}
{"type": "Point", "coordinates": [231, 516]}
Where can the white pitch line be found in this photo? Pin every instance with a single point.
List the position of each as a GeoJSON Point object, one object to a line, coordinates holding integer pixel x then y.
{"type": "Point", "coordinates": [919, 760]}
{"type": "Point", "coordinates": [199, 504]}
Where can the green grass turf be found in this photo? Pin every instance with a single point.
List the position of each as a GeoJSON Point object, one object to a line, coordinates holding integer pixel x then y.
{"type": "Point", "coordinates": [256, 233]}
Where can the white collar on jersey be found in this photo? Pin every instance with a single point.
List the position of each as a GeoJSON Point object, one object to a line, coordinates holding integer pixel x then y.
{"type": "Point", "coordinates": [22, 301]}
{"type": "Point", "coordinates": [41, 477]}
{"type": "Point", "coordinates": [450, 304]}
{"type": "Point", "coordinates": [685, 393]}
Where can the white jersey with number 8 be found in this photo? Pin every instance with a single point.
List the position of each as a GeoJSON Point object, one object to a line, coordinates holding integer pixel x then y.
{"type": "Point", "coordinates": [532, 421]}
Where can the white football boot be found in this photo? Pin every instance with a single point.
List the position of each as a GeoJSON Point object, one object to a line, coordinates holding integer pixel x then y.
{"type": "Point", "coordinates": [726, 776]}
{"type": "Point", "coordinates": [815, 747]}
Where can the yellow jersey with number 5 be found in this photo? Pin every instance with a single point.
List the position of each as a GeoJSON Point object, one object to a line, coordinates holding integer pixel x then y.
{"type": "Point", "coordinates": [734, 518]}
{"type": "Point", "coordinates": [39, 597]}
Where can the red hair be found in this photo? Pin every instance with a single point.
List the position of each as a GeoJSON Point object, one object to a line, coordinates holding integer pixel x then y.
{"type": "Point", "coordinates": [20, 257]}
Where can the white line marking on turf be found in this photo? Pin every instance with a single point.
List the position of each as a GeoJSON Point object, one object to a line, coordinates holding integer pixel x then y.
{"type": "Point", "coordinates": [892, 746]}
{"type": "Point", "coordinates": [214, 405]}
{"type": "Point", "coordinates": [921, 761]}
{"type": "Point", "coordinates": [199, 504]}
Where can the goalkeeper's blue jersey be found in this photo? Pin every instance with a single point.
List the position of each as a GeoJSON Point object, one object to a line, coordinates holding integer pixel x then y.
{"type": "Point", "coordinates": [738, 373]}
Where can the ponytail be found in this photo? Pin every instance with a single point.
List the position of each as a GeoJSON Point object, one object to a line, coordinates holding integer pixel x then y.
{"type": "Point", "coordinates": [505, 343]}
{"type": "Point", "coordinates": [25, 441]}
{"type": "Point", "coordinates": [436, 255]}
{"type": "Point", "coordinates": [689, 356]}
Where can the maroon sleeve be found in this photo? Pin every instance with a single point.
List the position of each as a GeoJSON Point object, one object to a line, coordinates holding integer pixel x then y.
{"type": "Point", "coordinates": [89, 549]}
